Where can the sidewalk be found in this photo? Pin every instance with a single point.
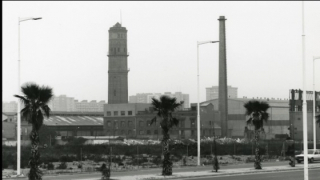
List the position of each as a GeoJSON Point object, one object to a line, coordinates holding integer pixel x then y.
{"type": "Point", "coordinates": [219, 173]}
{"type": "Point", "coordinates": [203, 173]}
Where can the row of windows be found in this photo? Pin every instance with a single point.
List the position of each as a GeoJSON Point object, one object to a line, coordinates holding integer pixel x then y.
{"type": "Point", "coordinates": [156, 132]}
{"type": "Point", "coordinates": [145, 123]}
{"type": "Point", "coordinates": [116, 113]}
{"type": "Point", "coordinates": [80, 133]}
{"type": "Point", "coordinates": [115, 50]}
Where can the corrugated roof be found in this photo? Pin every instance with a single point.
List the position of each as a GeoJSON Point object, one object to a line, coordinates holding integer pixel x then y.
{"type": "Point", "coordinates": [4, 117]}
{"type": "Point", "coordinates": [73, 121]}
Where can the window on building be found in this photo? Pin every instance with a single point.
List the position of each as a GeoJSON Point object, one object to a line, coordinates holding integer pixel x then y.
{"type": "Point", "coordinates": [109, 124]}
{"type": "Point", "coordinates": [123, 113]}
{"type": "Point", "coordinates": [129, 132]}
{"type": "Point", "coordinates": [116, 132]}
{"type": "Point", "coordinates": [83, 133]}
{"type": "Point", "coordinates": [148, 132]}
{"type": "Point", "coordinates": [123, 124]}
{"type": "Point", "coordinates": [129, 112]}
{"type": "Point", "coordinates": [98, 133]}
{"type": "Point", "coordinates": [182, 132]}
{"type": "Point", "coordinates": [141, 132]}
{"type": "Point", "coordinates": [193, 123]}
{"type": "Point", "coordinates": [122, 132]}
{"type": "Point", "coordinates": [116, 124]}
{"type": "Point", "coordinates": [181, 122]}
{"type": "Point", "coordinates": [156, 132]}
{"type": "Point", "coordinates": [130, 124]}
{"type": "Point", "coordinates": [108, 113]}
{"type": "Point", "coordinates": [192, 133]}
{"type": "Point", "coordinates": [141, 124]}
{"type": "Point", "coordinates": [115, 113]}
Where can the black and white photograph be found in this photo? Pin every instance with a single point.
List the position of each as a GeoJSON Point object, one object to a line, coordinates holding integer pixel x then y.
{"type": "Point", "coordinates": [140, 90]}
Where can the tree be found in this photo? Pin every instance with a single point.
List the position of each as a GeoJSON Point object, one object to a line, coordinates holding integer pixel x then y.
{"type": "Point", "coordinates": [165, 108]}
{"type": "Point", "coordinates": [35, 100]}
{"type": "Point", "coordinates": [47, 135]}
{"type": "Point", "coordinates": [257, 112]}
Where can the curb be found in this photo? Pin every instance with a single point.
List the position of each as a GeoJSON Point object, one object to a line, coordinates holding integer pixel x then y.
{"type": "Point", "coordinates": [228, 174]}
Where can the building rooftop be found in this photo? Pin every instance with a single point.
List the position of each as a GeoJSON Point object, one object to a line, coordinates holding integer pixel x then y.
{"type": "Point", "coordinates": [56, 120]}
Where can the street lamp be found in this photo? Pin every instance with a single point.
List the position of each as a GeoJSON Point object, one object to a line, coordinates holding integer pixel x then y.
{"type": "Point", "coordinates": [304, 105]}
{"type": "Point", "coordinates": [18, 109]}
{"type": "Point", "coordinates": [314, 108]}
{"type": "Point", "coordinates": [198, 109]}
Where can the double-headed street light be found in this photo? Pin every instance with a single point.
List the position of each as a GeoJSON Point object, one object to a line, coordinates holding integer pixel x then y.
{"type": "Point", "coordinates": [314, 108]}
{"type": "Point", "coordinates": [198, 109]}
{"type": "Point", "coordinates": [18, 109]}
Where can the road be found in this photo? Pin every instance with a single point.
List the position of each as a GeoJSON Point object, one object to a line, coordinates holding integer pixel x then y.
{"type": "Point", "coordinates": [97, 175]}
{"type": "Point", "coordinates": [158, 171]}
{"type": "Point", "coordinates": [314, 174]}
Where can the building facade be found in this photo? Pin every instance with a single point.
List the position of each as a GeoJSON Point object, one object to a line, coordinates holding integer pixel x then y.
{"type": "Point", "coordinates": [9, 106]}
{"type": "Point", "coordinates": [275, 128]}
{"type": "Point", "coordinates": [133, 121]}
{"type": "Point", "coordinates": [213, 92]}
{"type": "Point", "coordinates": [118, 65]}
{"type": "Point", "coordinates": [296, 115]}
{"type": "Point", "coordinates": [69, 104]}
{"type": "Point", "coordinates": [147, 98]}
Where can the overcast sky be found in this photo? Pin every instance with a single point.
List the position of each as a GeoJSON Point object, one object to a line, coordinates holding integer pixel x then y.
{"type": "Point", "coordinates": [67, 49]}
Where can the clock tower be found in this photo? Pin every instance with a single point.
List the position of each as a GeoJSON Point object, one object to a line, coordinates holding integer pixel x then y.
{"type": "Point", "coordinates": [118, 65]}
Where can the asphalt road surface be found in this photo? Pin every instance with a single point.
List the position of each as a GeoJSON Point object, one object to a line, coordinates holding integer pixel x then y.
{"type": "Point", "coordinates": [96, 175]}
{"type": "Point", "coordinates": [314, 174]}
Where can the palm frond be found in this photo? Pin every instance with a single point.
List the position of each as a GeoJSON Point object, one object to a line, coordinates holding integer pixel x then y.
{"type": "Point", "coordinates": [46, 110]}
{"type": "Point", "coordinates": [31, 90]}
{"type": "Point", "coordinates": [22, 99]}
{"type": "Point", "coordinates": [45, 94]}
{"type": "Point", "coordinates": [175, 121]}
{"type": "Point", "coordinates": [154, 120]}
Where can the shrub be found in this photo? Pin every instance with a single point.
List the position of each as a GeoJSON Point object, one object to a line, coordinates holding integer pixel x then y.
{"type": "Point", "coordinates": [63, 165]}
{"type": "Point", "coordinates": [50, 166]}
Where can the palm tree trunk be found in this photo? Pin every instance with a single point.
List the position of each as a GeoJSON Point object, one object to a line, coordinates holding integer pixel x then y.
{"type": "Point", "coordinates": [167, 164]}
{"type": "Point", "coordinates": [215, 158]}
{"type": "Point", "coordinates": [35, 173]}
{"type": "Point", "coordinates": [257, 162]}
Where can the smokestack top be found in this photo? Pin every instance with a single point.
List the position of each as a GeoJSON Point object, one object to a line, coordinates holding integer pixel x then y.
{"type": "Point", "coordinates": [222, 18]}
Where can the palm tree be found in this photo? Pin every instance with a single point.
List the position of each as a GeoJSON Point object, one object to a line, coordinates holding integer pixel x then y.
{"type": "Point", "coordinates": [35, 99]}
{"type": "Point", "coordinates": [257, 112]}
{"type": "Point", "coordinates": [165, 108]}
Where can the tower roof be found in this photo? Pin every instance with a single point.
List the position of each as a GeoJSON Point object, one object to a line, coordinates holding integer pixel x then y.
{"type": "Point", "coordinates": [117, 27]}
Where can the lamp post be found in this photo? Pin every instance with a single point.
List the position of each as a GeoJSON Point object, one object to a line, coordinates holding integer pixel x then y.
{"type": "Point", "coordinates": [304, 104]}
{"type": "Point", "coordinates": [314, 108]}
{"type": "Point", "coordinates": [198, 109]}
{"type": "Point", "coordinates": [18, 109]}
